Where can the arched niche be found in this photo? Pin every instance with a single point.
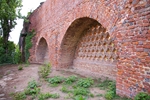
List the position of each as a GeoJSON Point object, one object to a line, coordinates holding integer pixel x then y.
{"type": "Point", "coordinates": [42, 53]}
{"type": "Point", "coordinates": [88, 46]}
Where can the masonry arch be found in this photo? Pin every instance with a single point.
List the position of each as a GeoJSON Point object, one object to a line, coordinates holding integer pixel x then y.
{"type": "Point", "coordinates": [42, 53]}
{"type": "Point", "coordinates": [88, 46]}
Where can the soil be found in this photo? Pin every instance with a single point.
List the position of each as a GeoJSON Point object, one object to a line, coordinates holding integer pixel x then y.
{"type": "Point", "coordinates": [13, 80]}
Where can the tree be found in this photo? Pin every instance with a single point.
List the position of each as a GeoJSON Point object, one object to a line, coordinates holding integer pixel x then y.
{"type": "Point", "coordinates": [9, 12]}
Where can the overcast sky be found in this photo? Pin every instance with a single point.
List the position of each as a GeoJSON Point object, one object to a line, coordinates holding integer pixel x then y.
{"type": "Point", "coordinates": [27, 6]}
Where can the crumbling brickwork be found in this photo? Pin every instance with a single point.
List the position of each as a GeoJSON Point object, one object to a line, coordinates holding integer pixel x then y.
{"type": "Point", "coordinates": [108, 37]}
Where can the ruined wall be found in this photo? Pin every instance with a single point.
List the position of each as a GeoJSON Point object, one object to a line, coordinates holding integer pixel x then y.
{"type": "Point", "coordinates": [64, 24]}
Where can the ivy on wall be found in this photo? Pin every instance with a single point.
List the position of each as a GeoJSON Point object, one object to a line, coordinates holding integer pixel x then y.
{"type": "Point", "coordinates": [28, 44]}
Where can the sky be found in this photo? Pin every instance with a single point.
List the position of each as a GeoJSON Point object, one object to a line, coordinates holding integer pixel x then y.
{"type": "Point", "coordinates": [28, 5]}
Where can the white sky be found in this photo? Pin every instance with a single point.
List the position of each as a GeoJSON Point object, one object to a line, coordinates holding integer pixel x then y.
{"type": "Point", "coordinates": [27, 6]}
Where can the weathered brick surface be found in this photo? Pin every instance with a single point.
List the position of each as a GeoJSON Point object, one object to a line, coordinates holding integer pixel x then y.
{"type": "Point", "coordinates": [63, 23]}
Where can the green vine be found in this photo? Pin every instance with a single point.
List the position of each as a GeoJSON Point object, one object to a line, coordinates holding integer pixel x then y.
{"type": "Point", "coordinates": [28, 44]}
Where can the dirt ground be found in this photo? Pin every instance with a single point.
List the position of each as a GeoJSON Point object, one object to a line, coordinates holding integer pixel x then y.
{"type": "Point", "coordinates": [12, 80]}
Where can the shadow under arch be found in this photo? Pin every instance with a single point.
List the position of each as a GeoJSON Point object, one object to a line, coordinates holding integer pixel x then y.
{"type": "Point", "coordinates": [42, 53]}
{"type": "Point", "coordinates": [88, 46]}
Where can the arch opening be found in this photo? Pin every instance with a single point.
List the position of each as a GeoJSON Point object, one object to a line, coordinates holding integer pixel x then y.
{"type": "Point", "coordinates": [42, 53]}
{"type": "Point", "coordinates": [88, 46]}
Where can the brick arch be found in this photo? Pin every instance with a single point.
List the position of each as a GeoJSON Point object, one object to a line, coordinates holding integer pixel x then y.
{"type": "Point", "coordinates": [87, 43]}
{"type": "Point", "coordinates": [42, 51]}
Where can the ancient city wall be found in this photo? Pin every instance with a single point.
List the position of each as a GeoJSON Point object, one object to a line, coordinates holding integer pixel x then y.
{"type": "Point", "coordinates": [107, 37]}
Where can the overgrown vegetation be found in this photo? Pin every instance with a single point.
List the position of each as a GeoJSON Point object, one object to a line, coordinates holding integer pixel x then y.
{"type": "Point", "coordinates": [28, 43]}
{"type": "Point", "coordinates": [13, 54]}
{"type": "Point", "coordinates": [142, 96]}
{"type": "Point", "coordinates": [45, 70]}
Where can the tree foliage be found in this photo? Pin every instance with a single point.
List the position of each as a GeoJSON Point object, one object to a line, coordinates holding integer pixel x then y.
{"type": "Point", "coordinates": [9, 12]}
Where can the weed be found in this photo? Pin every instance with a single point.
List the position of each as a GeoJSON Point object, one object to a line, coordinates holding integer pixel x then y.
{"type": "Point", "coordinates": [104, 84]}
{"type": "Point", "coordinates": [33, 91]}
{"type": "Point", "coordinates": [99, 95]}
{"type": "Point", "coordinates": [111, 92]}
{"type": "Point", "coordinates": [70, 79]}
{"type": "Point", "coordinates": [65, 89]}
{"type": "Point", "coordinates": [43, 96]}
{"type": "Point", "coordinates": [85, 82]}
{"type": "Point", "coordinates": [69, 96]}
{"type": "Point", "coordinates": [79, 97]}
{"type": "Point", "coordinates": [80, 91]}
{"type": "Point", "coordinates": [45, 70]}
{"type": "Point", "coordinates": [142, 96]}
{"type": "Point", "coordinates": [32, 84]}
{"type": "Point", "coordinates": [55, 80]}
{"type": "Point", "coordinates": [19, 96]}
{"type": "Point", "coordinates": [20, 67]}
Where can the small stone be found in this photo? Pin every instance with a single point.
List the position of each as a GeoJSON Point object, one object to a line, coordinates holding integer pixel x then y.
{"type": "Point", "coordinates": [1, 95]}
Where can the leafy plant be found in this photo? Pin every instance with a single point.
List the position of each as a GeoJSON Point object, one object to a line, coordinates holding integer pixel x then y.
{"type": "Point", "coordinates": [80, 91]}
{"type": "Point", "coordinates": [20, 67]}
{"type": "Point", "coordinates": [142, 96]}
{"type": "Point", "coordinates": [70, 79]}
{"type": "Point", "coordinates": [32, 84]}
{"type": "Point", "coordinates": [79, 97]}
{"type": "Point", "coordinates": [43, 96]}
{"type": "Point", "coordinates": [55, 80]}
{"type": "Point", "coordinates": [85, 82]}
{"type": "Point", "coordinates": [19, 96]}
{"type": "Point", "coordinates": [111, 92]}
{"type": "Point", "coordinates": [104, 84]}
{"type": "Point", "coordinates": [45, 70]}
{"type": "Point", "coordinates": [65, 89]}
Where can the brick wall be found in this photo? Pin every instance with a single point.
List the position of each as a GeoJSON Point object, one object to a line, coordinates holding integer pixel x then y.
{"type": "Point", "coordinates": [66, 25]}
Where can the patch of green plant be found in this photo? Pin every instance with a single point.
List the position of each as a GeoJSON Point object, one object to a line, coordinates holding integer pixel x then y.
{"type": "Point", "coordinates": [28, 43]}
{"type": "Point", "coordinates": [99, 95]}
{"type": "Point", "coordinates": [142, 96]}
{"type": "Point", "coordinates": [79, 97]}
{"type": "Point", "coordinates": [55, 80]}
{"type": "Point", "coordinates": [45, 70]}
{"type": "Point", "coordinates": [80, 91]}
{"type": "Point", "coordinates": [104, 84]}
{"type": "Point", "coordinates": [70, 79]}
{"type": "Point", "coordinates": [20, 67]}
{"type": "Point", "coordinates": [19, 96]}
{"type": "Point", "coordinates": [43, 96]}
{"type": "Point", "coordinates": [32, 89]}
{"type": "Point", "coordinates": [85, 82]}
{"type": "Point", "coordinates": [69, 96]}
{"type": "Point", "coordinates": [65, 89]}
{"type": "Point", "coordinates": [17, 55]}
{"type": "Point", "coordinates": [32, 84]}
{"type": "Point", "coordinates": [111, 92]}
